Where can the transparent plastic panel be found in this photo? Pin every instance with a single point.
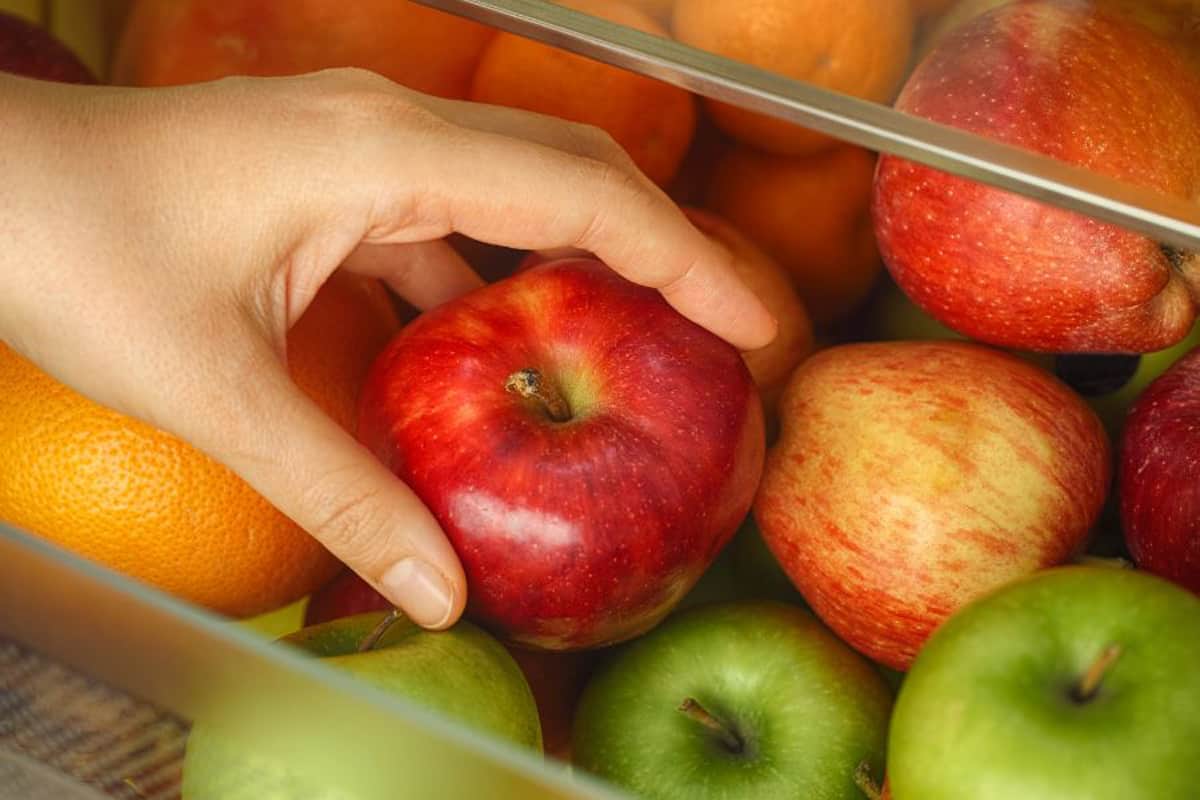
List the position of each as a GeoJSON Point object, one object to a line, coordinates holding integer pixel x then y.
{"type": "Point", "coordinates": [100, 679]}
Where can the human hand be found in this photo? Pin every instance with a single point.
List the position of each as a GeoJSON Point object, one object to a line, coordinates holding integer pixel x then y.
{"type": "Point", "coordinates": [160, 243]}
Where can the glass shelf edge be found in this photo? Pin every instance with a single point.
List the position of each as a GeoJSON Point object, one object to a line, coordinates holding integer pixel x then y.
{"type": "Point", "coordinates": [1170, 220]}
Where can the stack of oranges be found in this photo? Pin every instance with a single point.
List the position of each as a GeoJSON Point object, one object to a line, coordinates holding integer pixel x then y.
{"type": "Point", "coordinates": [789, 204]}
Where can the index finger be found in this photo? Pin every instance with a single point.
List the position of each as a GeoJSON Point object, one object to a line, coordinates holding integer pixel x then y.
{"type": "Point", "coordinates": [524, 194]}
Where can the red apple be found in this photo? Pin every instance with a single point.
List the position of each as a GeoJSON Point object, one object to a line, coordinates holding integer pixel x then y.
{"type": "Point", "coordinates": [556, 679]}
{"type": "Point", "coordinates": [1084, 84]}
{"type": "Point", "coordinates": [587, 449]}
{"type": "Point", "coordinates": [1159, 475]}
{"type": "Point", "coordinates": [344, 596]}
{"type": "Point", "coordinates": [769, 366]}
{"type": "Point", "coordinates": [32, 51]}
{"type": "Point", "coordinates": [911, 477]}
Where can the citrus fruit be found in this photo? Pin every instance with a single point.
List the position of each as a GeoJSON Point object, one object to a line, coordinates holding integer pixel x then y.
{"type": "Point", "coordinates": [653, 121]}
{"type": "Point", "coordinates": [770, 366]}
{"type": "Point", "coordinates": [127, 495]}
{"type": "Point", "coordinates": [856, 47]}
{"type": "Point", "coordinates": [811, 213]}
{"type": "Point", "coordinates": [187, 41]}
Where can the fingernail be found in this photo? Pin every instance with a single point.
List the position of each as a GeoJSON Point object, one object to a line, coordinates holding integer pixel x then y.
{"type": "Point", "coordinates": [420, 590]}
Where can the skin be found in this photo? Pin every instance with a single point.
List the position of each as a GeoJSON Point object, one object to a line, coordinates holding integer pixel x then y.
{"type": "Point", "coordinates": [986, 711]}
{"type": "Point", "coordinates": [584, 531]}
{"type": "Point", "coordinates": [1007, 270]}
{"type": "Point", "coordinates": [159, 243]}
{"type": "Point", "coordinates": [910, 477]}
{"type": "Point", "coordinates": [807, 709]}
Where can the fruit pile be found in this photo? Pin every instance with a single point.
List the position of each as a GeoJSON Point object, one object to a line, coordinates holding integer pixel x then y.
{"type": "Point", "coordinates": [941, 539]}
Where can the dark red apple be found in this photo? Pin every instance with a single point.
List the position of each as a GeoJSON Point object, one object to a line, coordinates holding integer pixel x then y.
{"type": "Point", "coordinates": [587, 449]}
{"type": "Point", "coordinates": [1084, 84]}
{"type": "Point", "coordinates": [1159, 475]}
{"type": "Point", "coordinates": [556, 679]}
{"type": "Point", "coordinates": [344, 596]}
{"type": "Point", "coordinates": [29, 50]}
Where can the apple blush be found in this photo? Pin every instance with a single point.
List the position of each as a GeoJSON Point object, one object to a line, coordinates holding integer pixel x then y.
{"type": "Point", "coordinates": [1089, 86]}
{"type": "Point", "coordinates": [1159, 475]}
{"type": "Point", "coordinates": [911, 477]}
{"type": "Point", "coordinates": [587, 449]}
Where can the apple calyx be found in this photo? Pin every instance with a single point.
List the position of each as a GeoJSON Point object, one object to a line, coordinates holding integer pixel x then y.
{"type": "Point", "coordinates": [727, 737]}
{"type": "Point", "coordinates": [371, 639]}
{"type": "Point", "coordinates": [1187, 264]}
{"type": "Point", "coordinates": [1175, 256]}
{"type": "Point", "coordinates": [529, 384]}
{"type": "Point", "coordinates": [865, 783]}
{"type": "Point", "coordinates": [1089, 684]}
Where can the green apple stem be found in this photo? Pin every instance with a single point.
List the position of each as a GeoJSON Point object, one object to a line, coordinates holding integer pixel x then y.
{"type": "Point", "coordinates": [1090, 683]}
{"type": "Point", "coordinates": [371, 639]}
{"type": "Point", "coordinates": [700, 714]}
{"type": "Point", "coordinates": [530, 384]}
{"type": "Point", "coordinates": [865, 783]}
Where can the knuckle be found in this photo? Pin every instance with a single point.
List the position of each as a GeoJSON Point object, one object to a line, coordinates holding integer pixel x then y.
{"type": "Point", "coordinates": [345, 512]}
{"type": "Point", "coordinates": [616, 191]}
{"type": "Point", "coordinates": [597, 143]}
{"type": "Point", "coordinates": [364, 103]}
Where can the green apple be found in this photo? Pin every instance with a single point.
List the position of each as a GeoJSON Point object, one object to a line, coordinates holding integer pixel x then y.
{"type": "Point", "coordinates": [750, 699]}
{"type": "Point", "coordinates": [1075, 682]}
{"type": "Point", "coordinates": [276, 623]}
{"type": "Point", "coordinates": [462, 672]}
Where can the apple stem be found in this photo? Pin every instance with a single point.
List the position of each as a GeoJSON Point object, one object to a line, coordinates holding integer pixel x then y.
{"type": "Point", "coordinates": [700, 714]}
{"type": "Point", "coordinates": [371, 639]}
{"type": "Point", "coordinates": [865, 783]}
{"type": "Point", "coordinates": [1090, 682]}
{"type": "Point", "coordinates": [529, 384]}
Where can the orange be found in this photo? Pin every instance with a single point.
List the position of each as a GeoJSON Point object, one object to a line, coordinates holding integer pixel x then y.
{"type": "Point", "coordinates": [811, 213]}
{"type": "Point", "coordinates": [187, 41]}
{"type": "Point", "coordinates": [856, 47]}
{"type": "Point", "coordinates": [772, 365]}
{"type": "Point", "coordinates": [924, 8]}
{"type": "Point", "coordinates": [659, 9]}
{"type": "Point", "coordinates": [653, 121]}
{"type": "Point", "coordinates": [142, 502]}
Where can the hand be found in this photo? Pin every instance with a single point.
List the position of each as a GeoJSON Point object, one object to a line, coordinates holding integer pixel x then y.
{"type": "Point", "coordinates": [160, 243]}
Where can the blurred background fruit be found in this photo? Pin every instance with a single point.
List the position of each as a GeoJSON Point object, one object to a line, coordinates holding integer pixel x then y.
{"type": "Point", "coordinates": [142, 502]}
{"type": "Point", "coordinates": [811, 214]}
{"type": "Point", "coordinates": [859, 47]}
{"type": "Point", "coordinates": [659, 9]}
{"type": "Point", "coordinates": [653, 121]}
{"type": "Point", "coordinates": [26, 48]}
{"type": "Point", "coordinates": [927, 8]}
{"type": "Point", "coordinates": [186, 41]}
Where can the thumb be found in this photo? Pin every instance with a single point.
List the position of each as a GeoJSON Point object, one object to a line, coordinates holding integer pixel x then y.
{"type": "Point", "coordinates": [317, 474]}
